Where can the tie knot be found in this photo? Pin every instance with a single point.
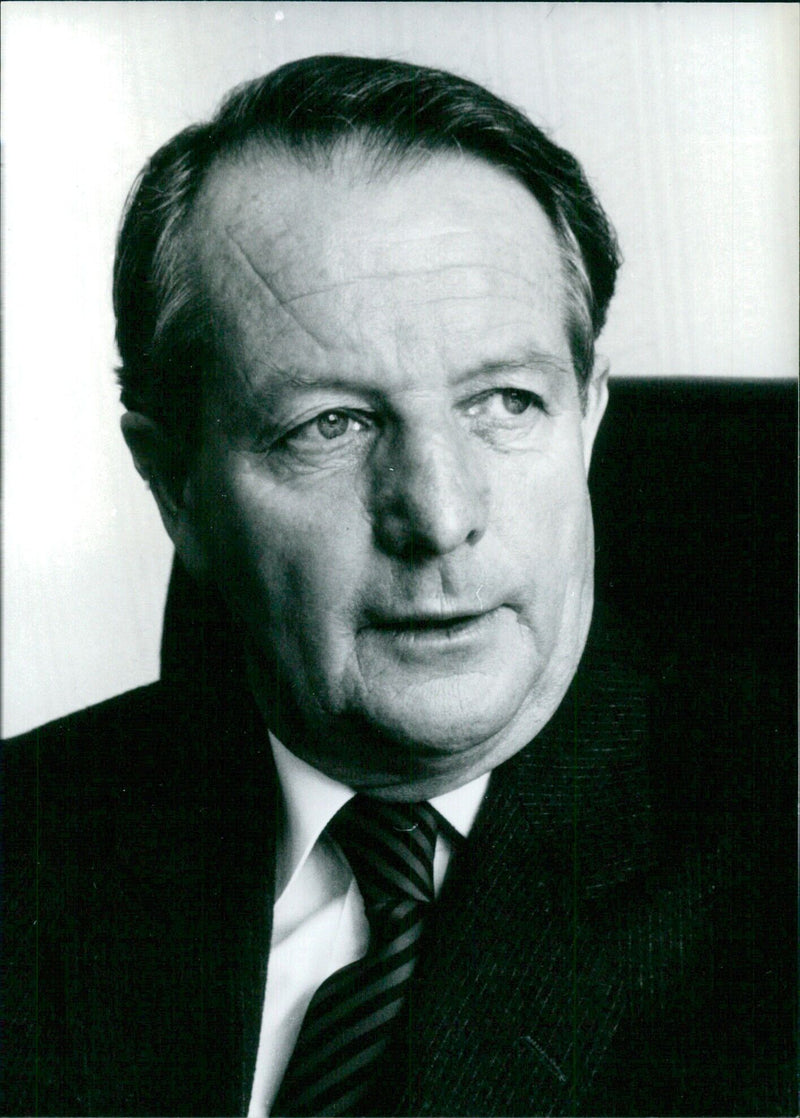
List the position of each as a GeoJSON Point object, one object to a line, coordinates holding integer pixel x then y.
{"type": "Point", "coordinates": [390, 849]}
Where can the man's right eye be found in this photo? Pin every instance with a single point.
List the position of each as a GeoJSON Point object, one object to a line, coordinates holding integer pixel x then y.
{"type": "Point", "coordinates": [333, 424]}
{"type": "Point", "coordinates": [332, 430]}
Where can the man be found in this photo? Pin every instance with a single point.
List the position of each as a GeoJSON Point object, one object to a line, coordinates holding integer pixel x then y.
{"type": "Point", "coordinates": [385, 849]}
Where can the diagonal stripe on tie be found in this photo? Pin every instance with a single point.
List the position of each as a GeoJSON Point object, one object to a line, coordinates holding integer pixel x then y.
{"type": "Point", "coordinates": [351, 1019]}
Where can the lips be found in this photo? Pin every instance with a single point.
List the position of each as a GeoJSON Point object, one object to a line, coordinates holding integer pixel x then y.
{"type": "Point", "coordinates": [428, 623]}
{"type": "Point", "coordinates": [432, 622]}
{"type": "Point", "coordinates": [437, 641]}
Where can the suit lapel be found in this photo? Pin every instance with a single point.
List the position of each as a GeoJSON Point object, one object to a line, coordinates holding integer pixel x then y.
{"type": "Point", "coordinates": [520, 988]}
{"type": "Point", "coordinates": [176, 1004]}
{"type": "Point", "coordinates": [242, 797]}
{"type": "Point", "coordinates": [244, 915]}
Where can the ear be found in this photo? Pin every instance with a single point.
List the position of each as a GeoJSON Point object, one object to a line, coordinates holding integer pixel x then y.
{"type": "Point", "coordinates": [157, 460]}
{"type": "Point", "coordinates": [596, 400]}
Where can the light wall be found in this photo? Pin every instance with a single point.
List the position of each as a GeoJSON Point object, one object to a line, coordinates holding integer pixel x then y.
{"type": "Point", "coordinates": [684, 116]}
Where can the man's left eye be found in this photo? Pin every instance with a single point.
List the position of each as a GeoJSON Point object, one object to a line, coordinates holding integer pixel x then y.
{"type": "Point", "coordinates": [500, 404]}
{"type": "Point", "coordinates": [517, 400]}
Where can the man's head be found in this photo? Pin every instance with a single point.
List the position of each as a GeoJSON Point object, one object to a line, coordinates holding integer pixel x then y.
{"type": "Point", "coordinates": [356, 314]}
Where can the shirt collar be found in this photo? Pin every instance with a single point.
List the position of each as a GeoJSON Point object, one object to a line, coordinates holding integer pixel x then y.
{"type": "Point", "coordinates": [311, 799]}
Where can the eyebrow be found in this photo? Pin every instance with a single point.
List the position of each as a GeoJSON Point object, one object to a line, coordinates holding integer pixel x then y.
{"type": "Point", "coordinates": [532, 360]}
{"type": "Point", "coordinates": [343, 382]}
{"type": "Point", "coordinates": [529, 359]}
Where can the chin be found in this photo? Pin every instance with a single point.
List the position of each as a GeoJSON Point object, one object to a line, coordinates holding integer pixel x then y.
{"type": "Point", "coordinates": [420, 754]}
{"type": "Point", "coordinates": [446, 718]}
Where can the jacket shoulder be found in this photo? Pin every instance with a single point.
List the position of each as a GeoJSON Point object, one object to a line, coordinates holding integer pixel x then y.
{"type": "Point", "coordinates": [136, 712]}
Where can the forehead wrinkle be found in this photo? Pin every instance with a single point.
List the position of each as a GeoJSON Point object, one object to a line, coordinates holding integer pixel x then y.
{"type": "Point", "coordinates": [287, 246]}
{"type": "Point", "coordinates": [246, 363]}
{"type": "Point", "coordinates": [264, 278]}
{"type": "Point", "coordinates": [396, 239]}
{"type": "Point", "coordinates": [434, 298]}
{"type": "Point", "coordinates": [382, 277]}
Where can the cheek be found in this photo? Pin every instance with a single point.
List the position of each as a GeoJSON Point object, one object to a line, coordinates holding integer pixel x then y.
{"type": "Point", "coordinates": [296, 563]}
{"type": "Point", "coordinates": [544, 516]}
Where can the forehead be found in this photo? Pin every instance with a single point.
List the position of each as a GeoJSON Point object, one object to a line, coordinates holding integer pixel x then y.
{"type": "Point", "coordinates": [309, 267]}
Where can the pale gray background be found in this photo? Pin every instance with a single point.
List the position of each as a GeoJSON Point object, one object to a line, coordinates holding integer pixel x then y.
{"type": "Point", "coordinates": [684, 115]}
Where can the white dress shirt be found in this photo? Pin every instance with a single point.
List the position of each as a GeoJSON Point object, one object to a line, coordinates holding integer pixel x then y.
{"type": "Point", "coordinates": [319, 924]}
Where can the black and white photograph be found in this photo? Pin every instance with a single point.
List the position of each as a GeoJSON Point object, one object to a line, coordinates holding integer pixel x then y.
{"type": "Point", "coordinates": [399, 597]}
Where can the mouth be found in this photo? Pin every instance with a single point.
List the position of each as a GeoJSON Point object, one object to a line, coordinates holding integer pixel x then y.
{"type": "Point", "coordinates": [433, 629]}
{"type": "Point", "coordinates": [433, 639]}
{"type": "Point", "coordinates": [450, 624]}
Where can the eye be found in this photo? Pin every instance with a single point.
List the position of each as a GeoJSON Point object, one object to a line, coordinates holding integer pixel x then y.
{"type": "Point", "coordinates": [500, 405]}
{"type": "Point", "coordinates": [517, 400]}
{"type": "Point", "coordinates": [330, 432]}
{"type": "Point", "coordinates": [506, 416]}
{"type": "Point", "coordinates": [333, 424]}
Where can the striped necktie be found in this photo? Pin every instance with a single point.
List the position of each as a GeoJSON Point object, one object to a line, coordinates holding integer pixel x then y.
{"type": "Point", "coordinates": [349, 1023]}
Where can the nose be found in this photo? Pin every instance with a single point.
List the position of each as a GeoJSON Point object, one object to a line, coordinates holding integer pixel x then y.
{"type": "Point", "coordinates": [431, 495]}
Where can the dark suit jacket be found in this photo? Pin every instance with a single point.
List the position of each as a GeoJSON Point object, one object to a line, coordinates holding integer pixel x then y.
{"type": "Point", "coordinates": [616, 937]}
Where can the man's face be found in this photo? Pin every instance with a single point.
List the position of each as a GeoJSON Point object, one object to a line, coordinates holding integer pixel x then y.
{"type": "Point", "coordinates": [391, 490]}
